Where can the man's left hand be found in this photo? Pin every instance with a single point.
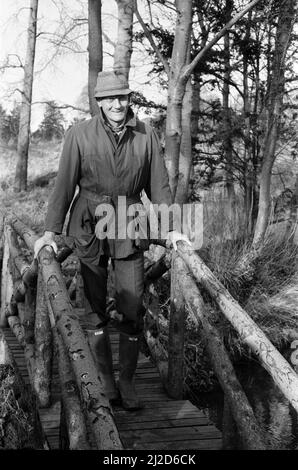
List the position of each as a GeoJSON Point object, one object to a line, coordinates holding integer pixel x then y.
{"type": "Point", "coordinates": [175, 236]}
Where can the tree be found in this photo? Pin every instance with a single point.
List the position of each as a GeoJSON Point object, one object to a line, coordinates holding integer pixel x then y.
{"type": "Point", "coordinates": [25, 113]}
{"type": "Point", "coordinates": [94, 50]}
{"type": "Point", "coordinates": [274, 109]}
{"type": "Point", "coordinates": [52, 124]}
{"type": "Point", "coordinates": [179, 73]}
{"type": "Point", "coordinates": [9, 123]}
{"type": "Point", "coordinates": [123, 49]}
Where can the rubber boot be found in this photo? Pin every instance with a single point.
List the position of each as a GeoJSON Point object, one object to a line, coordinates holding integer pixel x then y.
{"type": "Point", "coordinates": [128, 359]}
{"type": "Point", "coordinates": [100, 345]}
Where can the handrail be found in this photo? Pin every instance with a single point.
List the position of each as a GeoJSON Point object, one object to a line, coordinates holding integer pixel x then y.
{"type": "Point", "coordinates": [51, 284]}
{"type": "Point", "coordinates": [270, 358]}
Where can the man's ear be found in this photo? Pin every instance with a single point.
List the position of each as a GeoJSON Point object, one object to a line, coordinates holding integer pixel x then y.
{"type": "Point", "coordinates": [99, 103]}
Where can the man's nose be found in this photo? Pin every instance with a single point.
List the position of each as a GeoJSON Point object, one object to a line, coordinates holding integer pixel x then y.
{"type": "Point", "coordinates": [116, 103]}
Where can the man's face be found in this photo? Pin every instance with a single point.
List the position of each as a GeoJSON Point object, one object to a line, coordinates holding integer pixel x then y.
{"type": "Point", "coordinates": [115, 108]}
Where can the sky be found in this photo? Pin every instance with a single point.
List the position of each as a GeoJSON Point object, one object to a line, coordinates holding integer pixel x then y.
{"type": "Point", "coordinates": [64, 77]}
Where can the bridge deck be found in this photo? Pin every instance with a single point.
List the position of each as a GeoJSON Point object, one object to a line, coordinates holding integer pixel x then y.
{"type": "Point", "coordinates": [164, 423]}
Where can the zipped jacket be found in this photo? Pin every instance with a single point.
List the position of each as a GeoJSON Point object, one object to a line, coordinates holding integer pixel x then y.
{"type": "Point", "coordinates": [101, 167]}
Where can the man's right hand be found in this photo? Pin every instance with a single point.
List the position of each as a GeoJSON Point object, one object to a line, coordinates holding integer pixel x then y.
{"type": "Point", "coordinates": [46, 239]}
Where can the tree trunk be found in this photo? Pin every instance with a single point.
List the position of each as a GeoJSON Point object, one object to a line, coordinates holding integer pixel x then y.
{"type": "Point", "coordinates": [227, 140]}
{"type": "Point", "coordinates": [123, 49]}
{"type": "Point", "coordinates": [185, 158]}
{"type": "Point", "coordinates": [94, 50]}
{"type": "Point", "coordinates": [248, 181]}
{"type": "Point", "coordinates": [274, 109]}
{"type": "Point", "coordinates": [25, 112]}
{"type": "Point", "coordinates": [176, 91]}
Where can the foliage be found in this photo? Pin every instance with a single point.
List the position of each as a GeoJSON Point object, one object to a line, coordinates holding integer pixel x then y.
{"type": "Point", "coordinates": [51, 126]}
{"type": "Point", "coordinates": [9, 123]}
{"type": "Point", "coordinates": [16, 422]}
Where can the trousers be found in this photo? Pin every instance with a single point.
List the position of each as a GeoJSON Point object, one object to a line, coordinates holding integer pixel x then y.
{"type": "Point", "coordinates": [129, 289]}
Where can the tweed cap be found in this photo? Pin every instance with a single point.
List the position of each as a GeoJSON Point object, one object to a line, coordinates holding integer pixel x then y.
{"type": "Point", "coordinates": [111, 84]}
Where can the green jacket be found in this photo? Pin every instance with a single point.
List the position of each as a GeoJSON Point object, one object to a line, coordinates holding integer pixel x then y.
{"type": "Point", "coordinates": [93, 160]}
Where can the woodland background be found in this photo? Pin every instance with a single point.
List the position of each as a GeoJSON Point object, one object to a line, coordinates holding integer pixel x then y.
{"type": "Point", "coordinates": [221, 89]}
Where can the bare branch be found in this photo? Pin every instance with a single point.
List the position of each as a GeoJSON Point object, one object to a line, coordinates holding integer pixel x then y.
{"type": "Point", "coordinates": [63, 106]}
{"type": "Point", "coordinates": [188, 69]}
{"type": "Point", "coordinates": [151, 40]}
{"type": "Point", "coordinates": [108, 40]}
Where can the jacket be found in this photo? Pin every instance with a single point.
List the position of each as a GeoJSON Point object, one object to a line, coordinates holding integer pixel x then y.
{"type": "Point", "coordinates": [92, 159]}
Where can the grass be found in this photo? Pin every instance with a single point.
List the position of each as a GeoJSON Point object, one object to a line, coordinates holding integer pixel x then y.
{"type": "Point", "coordinates": [29, 205]}
{"type": "Point", "coordinates": [16, 423]}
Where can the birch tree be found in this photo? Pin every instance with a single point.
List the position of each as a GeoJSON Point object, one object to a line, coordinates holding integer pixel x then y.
{"type": "Point", "coordinates": [25, 112]}
{"type": "Point", "coordinates": [179, 72]}
{"type": "Point", "coordinates": [123, 49]}
{"type": "Point", "coordinates": [94, 50]}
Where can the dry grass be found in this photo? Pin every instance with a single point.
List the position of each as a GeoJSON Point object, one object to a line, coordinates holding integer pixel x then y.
{"type": "Point", "coordinates": [15, 423]}
{"type": "Point", "coordinates": [29, 205]}
{"type": "Point", "coordinates": [265, 287]}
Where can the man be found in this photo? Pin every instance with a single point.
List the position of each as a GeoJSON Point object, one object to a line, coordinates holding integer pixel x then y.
{"type": "Point", "coordinates": [111, 155]}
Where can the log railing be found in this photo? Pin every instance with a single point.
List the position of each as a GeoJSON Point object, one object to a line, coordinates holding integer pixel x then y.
{"type": "Point", "coordinates": [38, 290]}
{"type": "Point", "coordinates": [187, 274]}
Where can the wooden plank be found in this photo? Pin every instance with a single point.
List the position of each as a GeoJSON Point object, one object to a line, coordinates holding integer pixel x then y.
{"type": "Point", "coordinates": [207, 444]}
{"type": "Point", "coordinates": [179, 405]}
{"type": "Point", "coordinates": [147, 416]}
{"type": "Point", "coordinates": [173, 434]}
{"type": "Point", "coordinates": [168, 416]}
{"type": "Point", "coordinates": [161, 424]}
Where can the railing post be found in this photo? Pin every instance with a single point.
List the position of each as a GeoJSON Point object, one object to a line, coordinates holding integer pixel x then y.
{"type": "Point", "coordinates": [6, 280]}
{"type": "Point", "coordinates": [176, 336]}
{"type": "Point", "coordinates": [43, 347]}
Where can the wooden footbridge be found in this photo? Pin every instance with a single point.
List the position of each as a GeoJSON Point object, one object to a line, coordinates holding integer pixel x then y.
{"type": "Point", "coordinates": [78, 422]}
{"type": "Point", "coordinates": [163, 424]}
{"type": "Point", "coordinates": [37, 314]}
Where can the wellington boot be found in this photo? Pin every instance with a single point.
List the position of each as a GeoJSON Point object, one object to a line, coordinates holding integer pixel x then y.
{"type": "Point", "coordinates": [101, 349]}
{"type": "Point", "coordinates": [128, 359]}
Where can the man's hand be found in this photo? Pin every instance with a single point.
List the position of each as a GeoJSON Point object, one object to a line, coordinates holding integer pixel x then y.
{"type": "Point", "coordinates": [174, 236]}
{"type": "Point", "coordinates": [46, 239]}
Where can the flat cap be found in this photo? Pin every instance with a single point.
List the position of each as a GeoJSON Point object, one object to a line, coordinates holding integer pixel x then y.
{"type": "Point", "coordinates": [111, 84]}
